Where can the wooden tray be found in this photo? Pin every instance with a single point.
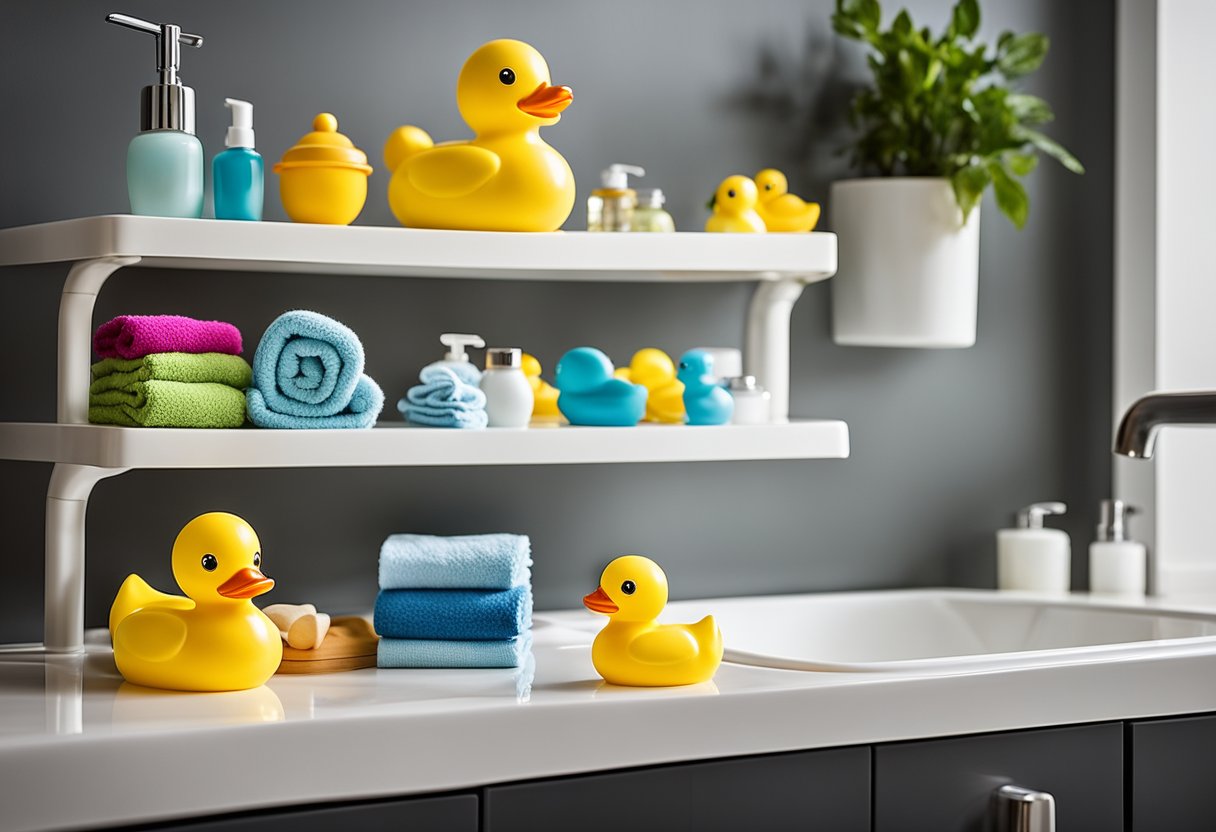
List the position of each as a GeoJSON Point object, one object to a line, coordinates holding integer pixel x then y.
{"type": "Point", "coordinates": [350, 644]}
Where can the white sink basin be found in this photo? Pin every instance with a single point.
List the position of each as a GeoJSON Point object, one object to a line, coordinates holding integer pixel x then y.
{"type": "Point", "coordinates": [943, 631]}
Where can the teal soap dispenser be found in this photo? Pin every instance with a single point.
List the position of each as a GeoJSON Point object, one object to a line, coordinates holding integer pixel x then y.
{"type": "Point", "coordinates": [165, 160]}
{"type": "Point", "coordinates": [238, 175]}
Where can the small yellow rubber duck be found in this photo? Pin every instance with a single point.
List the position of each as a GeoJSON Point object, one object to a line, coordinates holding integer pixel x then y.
{"type": "Point", "coordinates": [506, 178]}
{"type": "Point", "coordinates": [735, 207]}
{"type": "Point", "coordinates": [781, 210]}
{"type": "Point", "coordinates": [633, 648]}
{"type": "Point", "coordinates": [214, 639]}
{"type": "Point", "coordinates": [544, 394]}
{"type": "Point", "coordinates": [653, 369]}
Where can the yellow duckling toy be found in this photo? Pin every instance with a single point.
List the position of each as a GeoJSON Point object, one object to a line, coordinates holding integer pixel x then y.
{"type": "Point", "coordinates": [735, 207]}
{"type": "Point", "coordinates": [653, 369]}
{"type": "Point", "coordinates": [544, 394]}
{"type": "Point", "coordinates": [633, 648]}
{"type": "Point", "coordinates": [781, 210]}
{"type": "Point", "coordinates": [504, 179]}
{"type": "Point", "coordinates": [214, 639]}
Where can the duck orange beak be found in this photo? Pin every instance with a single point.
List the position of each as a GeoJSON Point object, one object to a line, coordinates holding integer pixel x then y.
{"type": "Point", "coordinates": [546, 101]}
{"type": "Point", "coordinates": [599, 601]}
{"type": "Point", "coordinates": [247, 583]}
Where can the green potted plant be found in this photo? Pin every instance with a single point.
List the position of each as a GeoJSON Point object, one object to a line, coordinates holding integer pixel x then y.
{"type": "Point", "coordinates": [940, 124]}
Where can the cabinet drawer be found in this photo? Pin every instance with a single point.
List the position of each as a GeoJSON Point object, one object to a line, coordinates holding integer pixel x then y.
{"type": "Point", "coordinates": [453, 813]}
{"type": "Point", "coordinates": [946, 785]}
{"type": "Point", "coordinates": [1173, 764]}
{"type": "Point", "coordinates": [813, 790]}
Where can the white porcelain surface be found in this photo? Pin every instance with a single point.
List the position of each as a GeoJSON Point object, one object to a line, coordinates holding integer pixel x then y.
{"type": "Point", "coordinates": [79, 749]}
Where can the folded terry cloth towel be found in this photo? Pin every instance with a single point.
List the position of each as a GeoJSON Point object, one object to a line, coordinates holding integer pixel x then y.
{"type": "Point", "coordinates": [475, 561]}
{"type": "Point", "coordinates": [308, 373]}
{"type": "Point", "coordinates": [442, 400]}
{"type": "Point", "coordinates": [134, 336]}
{"type": "Point", "coordinates": [409, 652]}
{"type": "Point", "coordinates": [458, 614]}
{"type": "Point", "coordinates": [169, 404]}
{"type": "Point", "coordinates": [201, 368]}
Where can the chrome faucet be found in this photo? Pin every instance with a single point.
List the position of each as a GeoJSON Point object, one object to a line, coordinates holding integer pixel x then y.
{"type": "Point", "coordinates": [1137, 433]}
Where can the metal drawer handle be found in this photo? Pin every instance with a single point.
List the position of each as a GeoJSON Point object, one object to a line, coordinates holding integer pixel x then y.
{"type": "Point", "coordinates": [1017, 809]}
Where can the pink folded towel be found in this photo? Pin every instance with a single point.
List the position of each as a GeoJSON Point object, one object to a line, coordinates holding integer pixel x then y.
{"type": "Point", "coordinates": [135, 336]}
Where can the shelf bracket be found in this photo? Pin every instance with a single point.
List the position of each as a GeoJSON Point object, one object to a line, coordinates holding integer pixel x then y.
{"type": "Point", "coordinates": [767, 353]}
{"type": "Point", "coordinates": [67, 503]}
{"type": "Point", "coordinates": [80, 290]}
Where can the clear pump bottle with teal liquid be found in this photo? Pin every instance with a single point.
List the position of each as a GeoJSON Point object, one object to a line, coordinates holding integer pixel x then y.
{"type": "Point", "coordinates": [165, 160]}
{"type": "Point", "coordinates": [238, 174]}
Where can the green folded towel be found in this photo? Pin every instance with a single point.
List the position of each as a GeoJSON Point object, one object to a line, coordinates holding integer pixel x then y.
{"type": "Point", "coordinates": [169, 404]}
{"type": "Point", "coordinates": [207, 367]}
{"type": "Point", "coordinates": [170, 390]}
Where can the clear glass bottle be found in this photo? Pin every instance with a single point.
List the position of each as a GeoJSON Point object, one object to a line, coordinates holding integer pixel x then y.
{"type": "Point", "coordinates": [649, 214]}
{"type": "Point", "coordinates": [610, 206]}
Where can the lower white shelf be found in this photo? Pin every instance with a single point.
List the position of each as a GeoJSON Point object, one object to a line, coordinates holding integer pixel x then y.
{"type": "Point", "coordinates": [399, 445]}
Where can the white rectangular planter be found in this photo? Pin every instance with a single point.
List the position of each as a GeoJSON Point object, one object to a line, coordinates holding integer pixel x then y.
{"type": "Point", "coordinates": [909, 266]}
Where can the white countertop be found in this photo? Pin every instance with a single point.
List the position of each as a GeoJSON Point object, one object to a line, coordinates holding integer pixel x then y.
{"type": "Point", "coordinates": [79, 748]}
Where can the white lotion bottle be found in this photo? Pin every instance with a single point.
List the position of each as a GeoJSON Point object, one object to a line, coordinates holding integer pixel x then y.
{"type": "Point", "coordinates": [1117, 565]}
{"type": "Point", "coordinates": [1032, 558]}
{"type": "Point", "coordinates": [508, 391]}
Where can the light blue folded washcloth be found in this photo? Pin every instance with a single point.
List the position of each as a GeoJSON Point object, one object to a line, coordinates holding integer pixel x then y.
{"type": "Point", "coordinates": [308, 373]}
{"type": "Point", "coordinates": [475, 561]}
{"type": "Point", "coordinates": [443, 400]}
{"type": "Point", "coordinates": [409, 652]}
{"type": "Point", "coordinates": [457, 614]}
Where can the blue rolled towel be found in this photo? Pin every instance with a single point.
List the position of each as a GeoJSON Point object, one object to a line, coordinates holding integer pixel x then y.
{"type": "Point", "coordinates": [474, 561]}
{"type": "Point", "coordinates": [409, 652]}
{"type": "Point", "coordinates": [443, 400]}
{"type": "Point", "coordinates": [308, 373]}
{"type": "Point", "coordinates": [454, 614]}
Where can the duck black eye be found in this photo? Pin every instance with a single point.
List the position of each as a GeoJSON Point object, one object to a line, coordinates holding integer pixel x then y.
{"type": "Point", "coordinates": [210, 563]}
{"type": "Point", "coordinates": [629, 587]}
{"type": "Point", "coordinates": [768, 187]}
{"type": "Point", "coordinates": [731, 193]}
{"type": "Point", "coordinates": [507, 76]}
{"type": "Point", "coordinates": [683, 365]}
{"type": "Point", "coordinates": [257, 558]}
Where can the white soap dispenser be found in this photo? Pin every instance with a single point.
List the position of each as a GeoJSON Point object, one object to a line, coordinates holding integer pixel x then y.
{"type": "Point", "coordinates": [1117, 565]}
{"type": "Point", "coordinates": [1031, 557]}
{"type": "Point", "coordinates": [457, 360]}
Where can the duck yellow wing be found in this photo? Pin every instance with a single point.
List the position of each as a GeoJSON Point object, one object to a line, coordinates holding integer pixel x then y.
{"type": "Point", "coordinates": [151, 635]}
{"type": "Point", "coordinates": [789, 213]}
{"type": "Point", "coordinates": [136, 594]}
{"type": "Point", "coordinates": [452, 170]}
{"type": "Point", "coordinates": [666, 644]}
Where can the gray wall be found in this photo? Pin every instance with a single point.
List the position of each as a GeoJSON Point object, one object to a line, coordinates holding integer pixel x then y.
{"type": "Point", "coordinates": [945, 444]}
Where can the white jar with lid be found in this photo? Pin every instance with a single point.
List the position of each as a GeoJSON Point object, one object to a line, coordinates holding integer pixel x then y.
{"type": "Point", "coordinates": [1033, 558]}
{"type": "Point", "coordinates": [1117, 564]}
{"type": "Point", "coordinates": [508, 391]}
{"type": "Point", "coordinates": [752, 402]}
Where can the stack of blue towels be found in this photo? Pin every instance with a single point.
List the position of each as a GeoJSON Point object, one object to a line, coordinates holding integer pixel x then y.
{"type": "Point", "coordinates": [454, 601]}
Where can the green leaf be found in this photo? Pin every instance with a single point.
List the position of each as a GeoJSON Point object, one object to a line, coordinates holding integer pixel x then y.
{"type": "Point", "coordinates": [1050, 147]}
{"type": "Point", "coordinates": [965, 20]}
{"type": "Point", "coordinates": [1022, 54]}
{"type": "Point", "coordinates": [902, 24]}
{"type": "Point", "coordinates": [1021, 164]}
{"type": "Point", "coordinates": [866, 14]}
{"type": "Point", "coordinates": [1029, 109]}
{"type": "Point", "coordinates": [969, 184]}
{"type": "Point", "coordinates": [1010, 195]}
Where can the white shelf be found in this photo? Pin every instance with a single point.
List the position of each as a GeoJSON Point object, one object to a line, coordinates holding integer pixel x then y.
{"type": "Point", "coordinates": [399, 445]}
{"type": "Point", "coordinates": [412, 252]}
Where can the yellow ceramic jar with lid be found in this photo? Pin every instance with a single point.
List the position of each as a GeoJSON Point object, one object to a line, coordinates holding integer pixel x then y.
{"type": "Point", "coordinates": [323, 179]}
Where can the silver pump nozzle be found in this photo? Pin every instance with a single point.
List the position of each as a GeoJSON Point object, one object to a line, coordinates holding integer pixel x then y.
{"type": "Point", "coordinates": [1112, 527]}
{"type": "Point", "coordinates": [1032, 516]}
{"type": "Point", "coordinates": [166, 105]}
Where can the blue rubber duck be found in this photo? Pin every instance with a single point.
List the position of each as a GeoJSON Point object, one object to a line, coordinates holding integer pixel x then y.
{"type": "Point", "coordinates": [591, 396]}
{"type": "Point", "coordinates": [704, 399]}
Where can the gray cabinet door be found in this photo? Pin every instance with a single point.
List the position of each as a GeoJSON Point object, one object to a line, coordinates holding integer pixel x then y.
{"type": "Point", "coordinates": [1173, 763]}
{"type": "Point", "coordinates": [814, 790]}
{"type": "Point", "coordinates": [453, 813]}
{"type": "Point", "coordinates": [946, 785]}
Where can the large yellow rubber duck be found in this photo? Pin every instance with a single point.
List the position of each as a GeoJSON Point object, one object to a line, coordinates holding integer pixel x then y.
{"type": "Point", "coordinates": [633, 648]}
{"type": "Point", "coordinates": [506, 178]}
{"type": "Point", "coordinates": [653, 369]}
{"type": "Point", "coordinates": [781, 210]}
{"type": "Point", "coordinates": [544, 394]}
{"type": "Point", "coordinates": [214, 639]}
{"type": "Point", "coordinates": [735, 207]}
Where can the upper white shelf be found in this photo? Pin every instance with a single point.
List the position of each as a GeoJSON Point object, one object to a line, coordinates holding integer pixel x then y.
{"type": "Point", "coordinates": [412, 252]}
{"type": "Point", "coordinates": [104, 446]}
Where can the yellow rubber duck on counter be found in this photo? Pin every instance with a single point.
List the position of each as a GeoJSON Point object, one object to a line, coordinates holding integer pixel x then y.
{"type": "Point", "coordinates": [544, 394]}
{"type": "Point", "coordinates": [506, 178]}
{"type": "Point", "coordinates": [735, 207]}
{"type": "Point", "coordinates": [215, 638]}
{"type": "Point", "coordinates": [653, 369]}
{"type": "Point", "coordinates": [633, 648]}
{"type": "Point", "coordinates": [781, 210]}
